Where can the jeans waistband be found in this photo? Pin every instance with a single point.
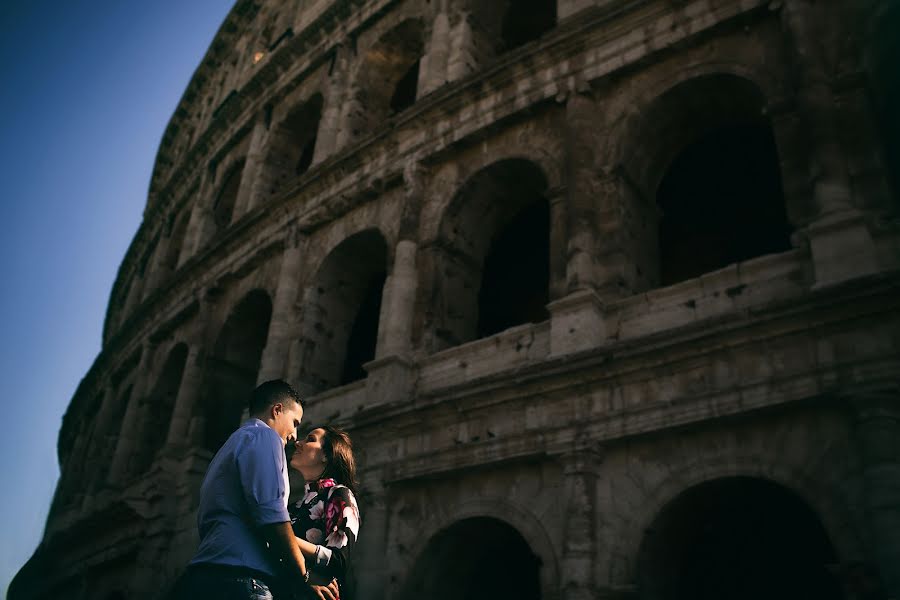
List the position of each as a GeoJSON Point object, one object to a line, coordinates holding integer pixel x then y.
{"type": "Point", "coordinates": [233, 571]}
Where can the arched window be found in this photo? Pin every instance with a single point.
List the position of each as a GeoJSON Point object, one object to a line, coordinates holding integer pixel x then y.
{"type": "Point", "coordinates": [177, 229]}
{"type": "Point", "coordinates": [736, 537]}
{"type": "Point", "coordinates": [492, 256]}
{"type": "Point", "coordinates": [387, 79]}
{"type": "Point", "coordinates": [158, 413]}
{"type": "Point", "coordinates": [223, 206]}
{"type": "Point", "coordinates": [233, 367]}
{"type": "Point", "coordinates": [705, 151]}
{"type": "Point", "coordinates": [292, 145]}
{"type": "Point", "coordinates": [499, 565]}
{"type": "Point", "coordinates": [341, 312]}
{"type": "Point", "coordinates": [527, 20]}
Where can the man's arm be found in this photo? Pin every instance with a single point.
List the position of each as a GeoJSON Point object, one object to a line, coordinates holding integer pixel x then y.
{"type": "Point", "coordinates": [281, 537]}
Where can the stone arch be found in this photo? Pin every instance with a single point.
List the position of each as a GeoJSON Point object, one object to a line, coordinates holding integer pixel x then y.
{"type": "Point", "coordinates": [341, 310]}
{"type": "Point", "coordinates": [712, 170]}
{"type": "Point", "coordinates": [105, 445]}
{"type": "Point", "coordinates": [291, 145]}
{"type": "Point", "coordinates": [161, 402]}
{"type": "Point", "coordinates": [386, 80]}
{"type": "Point", "coordinates": [498, 27]}
{"type": "Point", "coordinates": [812, 488]}
{"type": "Point", "coordinates": [745, 534]}
{"type": "Point", "coordinates": [226, 197]}
{"type": "Point", "coordinates": [498, 216]}
{"type": "Point", "coordinates": [176, 230]}
{"type": "Point", "coordinates": [232, 368]}
{"type": "Point", "coordinates": [509, 513]}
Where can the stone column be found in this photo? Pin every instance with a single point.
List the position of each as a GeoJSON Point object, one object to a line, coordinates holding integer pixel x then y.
{"type": "Point", "coordinates": [433, 68]}
{"type": "Point", "coordinates": [878, 440]}
{"type": "Point", "coordinates": [840, 240]}
{"type": "Point", "coordinates": [250, 192]}
{"type": "Point", "coordinates": [371, 573]}
{"type": "Point", "coordinates": [137, 407]}
{"type": "Point", "coordinates": [580, 528]}
{"type": "Point", "coordinates": [577, 320]}
{"type": "Point", "coordinates": [285, 315]}
{"type": "Point", "coordinates": [329, 138]}
{"type": "Point", "coordinates": [201, 225]}
{"type": "Point", "coordinates": [463, 56]}
{"type": "Point", "coordinates": [179, 436]}
{"type": "Point", "coordinates": [391, 376]}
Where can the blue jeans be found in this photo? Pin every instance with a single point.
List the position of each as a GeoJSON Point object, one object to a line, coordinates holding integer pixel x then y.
{"type": "Point", "coordinates": [200, 583]}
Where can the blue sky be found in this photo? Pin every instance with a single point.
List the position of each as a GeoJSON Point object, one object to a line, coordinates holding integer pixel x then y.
{"type": "Point", "coordinates": [86, 90]}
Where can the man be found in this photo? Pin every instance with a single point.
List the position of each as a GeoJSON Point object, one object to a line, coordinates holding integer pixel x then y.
{"type": "Point", "coordinates": [243, 520]}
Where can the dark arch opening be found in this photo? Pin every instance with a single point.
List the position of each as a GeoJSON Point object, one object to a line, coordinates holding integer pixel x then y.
{"type": "Point", "coordinates": [342, 311]}
{"type": "Point", "coordinates": [722, 202]}
{"type": "Point", "coordinates": [516, 276]}
{"type": "Point", "coordinates": [154, 429]}
{"type": "Point", "coordinates": [223, 207]}
{"type": "Point", "coordinates": [363, 336]}
{"type": "Point", "coordinates": [405, 92]}
{"type": "Point", "coordinates": [177, 230]}
{"type": "Point", "coordinates": [292, 144]}
{"type": "Point", "coordinates": [100, 460]}
{"type": "Point", "coordinates": [492, 256]}
{"type": "Point", "coordinates": [387, 77]}
{"type": "Point", "coordinates": [527, 20]}
{"type": "Point", "coordinates": [714, 171]}
{"type": "Point", "coordinates": [736, 538]}
{"type": "Point", "coordinates": [476, 558]}
{"type": "Point", "coordinates": [234, 366]}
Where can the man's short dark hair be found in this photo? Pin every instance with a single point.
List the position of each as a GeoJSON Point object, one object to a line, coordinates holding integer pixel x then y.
{"type": "Point", "coordinates": [272, 392]}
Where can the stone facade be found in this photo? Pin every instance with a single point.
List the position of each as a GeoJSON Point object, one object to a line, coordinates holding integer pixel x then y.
{"type": "Point", "coordinates": [606, 293]}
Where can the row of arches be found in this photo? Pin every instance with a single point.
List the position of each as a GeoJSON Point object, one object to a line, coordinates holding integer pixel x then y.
{"type": "Point", "coordinates": [386, 82]}
{"type": "Point", "coordinates": [486, 265]}
{"type": "Point", "coordinates": [712, 175]}
{"type": "Point", "coordinates": [732, 538]}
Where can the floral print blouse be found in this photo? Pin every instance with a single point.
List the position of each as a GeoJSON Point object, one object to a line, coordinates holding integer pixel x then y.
{"type": "Point", "coordinates": [327, 515]}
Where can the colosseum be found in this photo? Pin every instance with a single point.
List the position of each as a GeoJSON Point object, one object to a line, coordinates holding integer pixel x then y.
{"type": "Point", "coordinates": [606, 292]}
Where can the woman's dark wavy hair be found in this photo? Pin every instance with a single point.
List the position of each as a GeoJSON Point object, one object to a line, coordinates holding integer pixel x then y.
{"type": "Point", "coordinates": [338, 449]}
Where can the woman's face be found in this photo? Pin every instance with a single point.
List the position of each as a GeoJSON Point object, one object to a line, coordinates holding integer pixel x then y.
{"type": "Point", "coordinates": [308, 454]}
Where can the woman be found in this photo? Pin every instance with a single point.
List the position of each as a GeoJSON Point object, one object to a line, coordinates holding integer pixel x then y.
{"type": "Point", "coordinates": [326, 518]}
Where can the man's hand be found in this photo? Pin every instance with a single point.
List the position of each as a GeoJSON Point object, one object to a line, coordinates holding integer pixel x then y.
{"type": "Point", "coordinates": [326, 592]}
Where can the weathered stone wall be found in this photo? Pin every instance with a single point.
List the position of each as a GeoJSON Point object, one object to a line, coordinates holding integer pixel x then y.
{"type": "Point", "coordinates": [359, 197]}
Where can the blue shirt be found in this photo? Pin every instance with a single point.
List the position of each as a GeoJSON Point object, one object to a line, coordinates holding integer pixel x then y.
{"type": "Point", "coordinates": [245, 487]}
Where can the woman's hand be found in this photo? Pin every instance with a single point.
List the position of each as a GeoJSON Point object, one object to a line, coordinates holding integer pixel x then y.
{"type": "Point", "coordinates": [326, 592]}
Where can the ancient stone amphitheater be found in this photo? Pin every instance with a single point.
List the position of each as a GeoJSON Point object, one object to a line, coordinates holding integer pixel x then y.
{"type": "Point", "coordinates": [605, 290]}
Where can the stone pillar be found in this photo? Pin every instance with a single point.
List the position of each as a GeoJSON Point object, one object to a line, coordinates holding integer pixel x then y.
{"type": "Point", "coordinates": [371, 574]}
{"type": "Point", "coordinates": [201, 226]}
{"type": "Point", "coordinates": [581, 113]}
{"type": "Point", "coordinates": [285, 316]}
{"type": "Point", "coordinates": [398, 299]}
{"type": "Point", "coordinates": [878, 439]}
{"type": "Point", "coordinates": [463, 56]}
{"type": "Point", "coordinates": [138, 404]}
{"type": "Point", "coordinates": [577, 320]}
{"type": "Point", "coordinates": [840, 240]}
{"type": "Point", "coordinates": [179, 436]}
{"type": "Point", "coordinates": [391, 376]}
{"type": "Point", "coordinates": [433, 68]}
{"type": "Point", "coordinates": [250, 193]}
{"type": "Point", "coordinates": [329, 138]}
{"type": "Point", "coordinates": [580, 537]}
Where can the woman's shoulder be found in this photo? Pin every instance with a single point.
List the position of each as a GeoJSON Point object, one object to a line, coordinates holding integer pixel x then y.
{"type": "Point", "coordinates": [343, 493]}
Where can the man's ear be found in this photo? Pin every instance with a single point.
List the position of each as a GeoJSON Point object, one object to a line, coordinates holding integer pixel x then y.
{"type": "Point", "coordinates": [277, 409]}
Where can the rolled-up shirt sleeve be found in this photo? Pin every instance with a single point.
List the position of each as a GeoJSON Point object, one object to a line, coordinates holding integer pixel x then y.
{"type": "Point", "coordinates": [261, 463]}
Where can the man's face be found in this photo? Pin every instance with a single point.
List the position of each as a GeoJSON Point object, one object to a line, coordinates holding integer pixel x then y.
{"type": "Point", "coordinates": [287, 419]}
